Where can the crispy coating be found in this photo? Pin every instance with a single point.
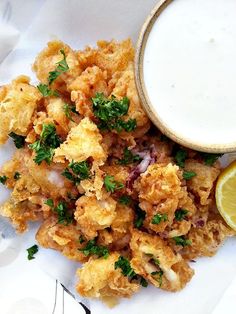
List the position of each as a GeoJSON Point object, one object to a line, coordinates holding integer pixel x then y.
{"type": "Point", "coordinates": [17, 104]}
{"type": "Point", "coordinates": [202, 184]}
{"type": "Point", "coordinates": [159, 193]}
{"type": "Point", "coordinates": [83, 141]}
{"type": "Point", "coordinates": [93, 215]}
{"type": "Point", "coordinates": [60, 237]}
{"type": "Point", "coordinates": [151, 254]}
{"type": "Point", "coordinates": [99, 278]}
{"type": "Point", "coordinates": [205, 241]}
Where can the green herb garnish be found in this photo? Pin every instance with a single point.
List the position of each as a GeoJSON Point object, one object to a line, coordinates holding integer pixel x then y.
{"type": "Point", "coordinates": [128, 158]}
{"type": "Point", "coordinates": [68, 110]}
{"type": "Point", "coordinates": [158, 218]}
{"type": "Point", "coordinates": [143, 282]}
{"type": "Point", "coordinates": [111, 185]}
{"type": "Point", "coordinates": [180, 157]}
{"type": "Point", "coordinates": [125, 200]}
{"type": "Point", "coordinates": [3, 179]}
{"type": "Point", "coordinates": [110, 111]}
{"type": "Point", "coordinates": [19, 140]}
{"type": "Point", "coordinates": [124, 264]}
{"type": "Point", "coordinates": [187, 175]}
{"type": "Point", "coordinates": [210, 159]}
{"type": "Point", "coordinates": [62, 67]}
{"type": "Point", "coordinates": [139, 217]}
{"type": "Point", "coordinates": [45, 146]}
{"type": "Point", "coordinates": [180, 214]}
{"type": "Point", "coordinates": [46, 91]}
{"type": "Point", "coordinates": [158, 276]}
{"type": "Point", "coordinates": [32, 251]}
{"type": "Point", "coordinates": [17, 175]}
{"type": "Point", "coordinates": [182, 241]}
{"type": "Point", "coordinates": [61, 210]}
{"type": "Point", "coordinates": [80, 171]}
{"type": "Point", "coordinates": [81, 239]}
{"type": "Point", "coordinates": [92, 248]}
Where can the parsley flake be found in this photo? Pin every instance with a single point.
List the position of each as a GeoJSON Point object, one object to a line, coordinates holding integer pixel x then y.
{"type": "Point", "coordinates": [110, 111]}
{"type": "Point", "coordinates": [111, 185]}
{"type": "Point", "coordinates": [32, 251]}
{"type": "Point", "coordinates": [81, 239]}
{"type": "Point", "coordinates": [3, 179]}
{"type": "Point", "coordinates": [180, 157]}
{"type": "Point", "coordinates": [61, 210]}
{"type": "Point", "coordinates": [19, 140]}
{"type": "Point", "coordinates": [68, 110]}
{"type": "Point", "coordinates": [92, 248]}
{"type": "Point", "coordinates": [62, 67]}
{"type": "Point", "coordinates": [80, 171]}
{"type": "Point", "coordinates": [45, 146]}
{"type": "Point", "coordinates": [124, 264]}
{"type": "Point", "coordinates": [210, 159]}
{"type": "Point", "coordinates": [139, 217]}
{"type": "Point", "coordinates": [158, 218]}
{"type": "Point", "coordinates": [188, 175]}
{"type": "Point", "coordinates": [158, 276]}
{"type": "Point", "coordinates": [17, 175]}
{"type": "Point", "coordinates": [125, 200]}
{"type": "Point", "coordinates": [180, 214]}
{"type": "Point", "coordinates": [128, 158]}
{"type": "Point", "coordinates": [182, 241]}
{"type": "Point", "coordinates": [46, 91]}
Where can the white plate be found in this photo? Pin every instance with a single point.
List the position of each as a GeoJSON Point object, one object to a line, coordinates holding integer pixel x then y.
{"type": "Point", "coordinates": [23, 284]}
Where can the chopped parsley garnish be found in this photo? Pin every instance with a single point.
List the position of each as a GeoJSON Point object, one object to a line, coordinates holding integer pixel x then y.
{"type": "Point", "coordinates": [62, 66]}
{"type": "Point", "coordinates": [32, 251]}
{"type": "Point", "coordinates": [187, 175]}
{"type": "Point", "coordinates": [61, 210]}
{"type": "Point", "coordinates": [45, 146]}
{"type": "Point", "coordinates": [182, 241]}
{"type": "Point", "coordinates": [19, 140]}
{"type": "Point", "coordinates": [81, 239]}
{"type": "Point", "coordinates": [158, 218]}
{"type": "Point", "coordinates": [68, 110]}
{"type": "Point", "coordinates": [3, 179]}
{"type": "Point", "coordinates": [126, 269]}
{"type": "Point", "coordinates": [110, 111]}
{"type": "Point", "coordinates": [17, 175]}
{"type": "Point", "coordinates": [158, 276]}
{"type": "Point", "coordinates": [139, 217]}
{"type": "Point", "coordinates": [180, 157]}
{"type": "Point", "coordinates": [125, 200]}
{"type": "Point", "coordinates": [124, 264]}
{"type": "Point", "coordinates": [80, 171]}
{"type": "Point", "coordinates": [111, 185]}
{"type": "Point", "coordinates": [128, 158]}
{"type": "Point", "coordinates": [155, 261]}
{"type": "Point", "coordinates": [210, 159]}
{"type": "Point", "coordinates": [46, 91]}
{"type": "Point", "coordinates": [92, 248]}
{"type": "Point", "coordinates": [180, 214]}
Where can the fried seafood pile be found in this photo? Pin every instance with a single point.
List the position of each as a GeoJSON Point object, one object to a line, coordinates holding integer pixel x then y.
{"type": "Point", "coordinates": [109, 189]}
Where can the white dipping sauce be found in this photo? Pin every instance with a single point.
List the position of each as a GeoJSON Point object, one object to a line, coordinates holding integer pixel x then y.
{"type": "Point", "coordinates": [190, 70]}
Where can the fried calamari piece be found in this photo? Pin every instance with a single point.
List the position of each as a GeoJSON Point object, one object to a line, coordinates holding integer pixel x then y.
{"type": "Point", "coordinates": [46, 62]}
{"type": "Point", "coordinates": [18, 102]}
{"type": "Point", "coordinates": [202, 185]}
{"type": "Point", "coordinates": [63, 238]}
{"type": "Point", "coordinates": [125, 86]}
{"type": "Point", "coordinates": [99, 279]}
{"type": "Point", "coordinates": [93, 215]}
{"type": "Point", "coordinates": [20, 213]}
{"type": "Point", "coordinates": [206, 240]}
{"type": "Point", "coordinates": [159, 193]}
{"type": "Point", "coordinates": [156, 261]}
{"type": "Point", "coordinates": [83, 141]}
{"type": "Point", "coordinates": [85, 86]}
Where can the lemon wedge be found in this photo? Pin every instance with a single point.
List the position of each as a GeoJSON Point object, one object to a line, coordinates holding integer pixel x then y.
{"type": "Point", "coordinates": [226, 195]}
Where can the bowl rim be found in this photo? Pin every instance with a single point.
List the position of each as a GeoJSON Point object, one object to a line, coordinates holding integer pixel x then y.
{"type": "Point", "coordinates": [142, 92]}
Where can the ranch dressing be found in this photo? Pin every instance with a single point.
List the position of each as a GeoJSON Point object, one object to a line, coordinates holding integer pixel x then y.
{"type": "Point", "coordinates": [190, 69]}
